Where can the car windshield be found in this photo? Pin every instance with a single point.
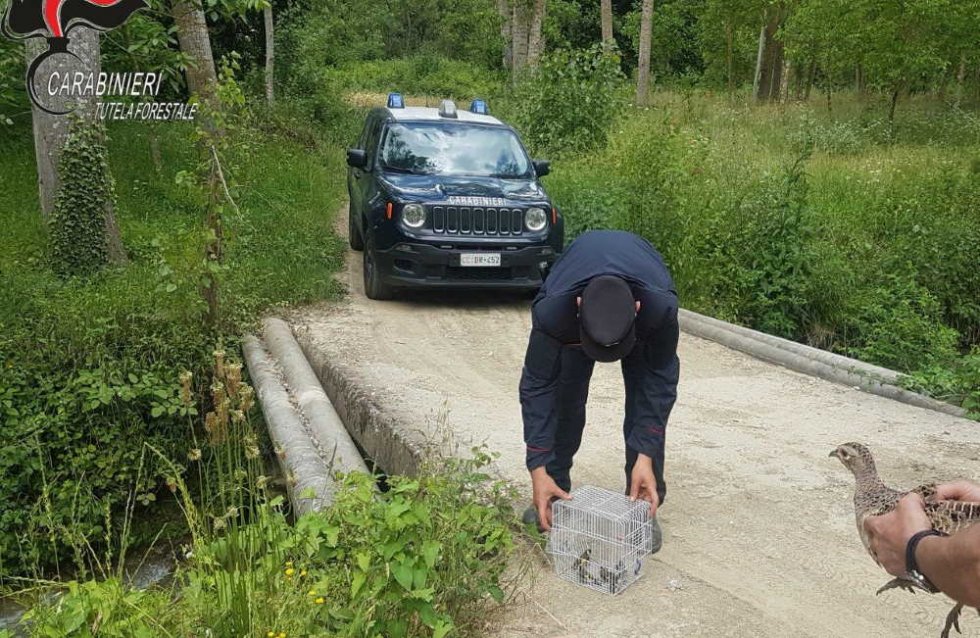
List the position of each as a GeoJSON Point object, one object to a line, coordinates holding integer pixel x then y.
{"type": "Point", "coordinates": [434, 148]}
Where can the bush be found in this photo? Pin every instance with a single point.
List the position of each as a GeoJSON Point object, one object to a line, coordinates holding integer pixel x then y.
{"type": "Point", "coordinates": [899, 325]}
{"type": "Point", "coordinates": [956, 382]}
{"type": "Point", "coordinates": [569, 102]}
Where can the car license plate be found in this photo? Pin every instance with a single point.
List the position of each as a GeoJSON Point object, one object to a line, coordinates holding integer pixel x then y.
{"type": "Point", "coordinates": [479, 259]}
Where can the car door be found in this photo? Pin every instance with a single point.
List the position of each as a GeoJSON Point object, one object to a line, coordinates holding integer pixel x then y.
{"type": "Point", "coordinates": [355, 176]}
{"type": "Point", "coordinates": [365, 180]}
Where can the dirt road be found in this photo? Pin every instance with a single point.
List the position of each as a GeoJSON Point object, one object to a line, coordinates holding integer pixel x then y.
{"type": "Point", "coordinates": [759, 536]}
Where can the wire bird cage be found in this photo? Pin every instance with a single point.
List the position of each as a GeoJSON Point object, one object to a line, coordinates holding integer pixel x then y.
{"type": "Point", "coordinates": [599, 538]}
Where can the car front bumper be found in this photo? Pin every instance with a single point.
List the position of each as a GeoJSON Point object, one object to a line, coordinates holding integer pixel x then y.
{"type": "Point", "coordinates": [416, 265]}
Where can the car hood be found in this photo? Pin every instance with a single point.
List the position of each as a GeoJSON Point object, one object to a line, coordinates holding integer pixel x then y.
{"type": "Point", "coordinates": [429, 188]}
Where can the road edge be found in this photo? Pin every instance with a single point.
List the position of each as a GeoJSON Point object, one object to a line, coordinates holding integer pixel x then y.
{"type": "Point", "coordinates": [811, 361]}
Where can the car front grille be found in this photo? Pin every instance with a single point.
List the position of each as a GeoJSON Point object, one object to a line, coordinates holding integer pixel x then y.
{"type": "Point", "coordinates": [480, 222]}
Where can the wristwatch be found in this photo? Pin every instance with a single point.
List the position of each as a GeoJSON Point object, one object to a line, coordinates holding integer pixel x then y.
{"type": "Point", "coordinates": [912, 567]}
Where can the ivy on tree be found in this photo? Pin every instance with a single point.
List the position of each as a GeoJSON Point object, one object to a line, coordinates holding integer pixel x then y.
{"type": "Point", "coordinates": [78, 225]}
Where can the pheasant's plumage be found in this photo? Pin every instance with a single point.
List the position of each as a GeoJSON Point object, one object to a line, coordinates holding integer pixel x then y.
{"type": "Point", "coordinates": [873, 498]}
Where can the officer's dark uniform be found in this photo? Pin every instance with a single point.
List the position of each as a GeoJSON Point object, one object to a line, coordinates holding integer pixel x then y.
{"type": "Point", "coordinates": [555, 380]}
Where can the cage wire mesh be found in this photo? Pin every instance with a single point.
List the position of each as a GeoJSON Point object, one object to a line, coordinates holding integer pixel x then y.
{"type": "Point", "coordinates": [599, 538]}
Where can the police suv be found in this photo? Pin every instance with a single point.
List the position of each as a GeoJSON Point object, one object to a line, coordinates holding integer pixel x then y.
{"type": "Point", "coordinates": [448, 198]}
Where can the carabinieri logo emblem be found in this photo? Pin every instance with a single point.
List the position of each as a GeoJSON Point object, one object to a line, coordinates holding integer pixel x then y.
{"type": "Point", "coordinates": [54, 20]}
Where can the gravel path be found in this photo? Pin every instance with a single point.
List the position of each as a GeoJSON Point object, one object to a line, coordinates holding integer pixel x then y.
{"type": "Point", "coordinates": [759, 536]}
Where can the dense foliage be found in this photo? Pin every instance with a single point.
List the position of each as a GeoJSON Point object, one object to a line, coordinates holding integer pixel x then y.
{"type": "Point", "coordinates": [424, 558]}
{"type": "Point", "coordinates": [580, 122]}
{"type": "Point", "coordinates": [85, 197]}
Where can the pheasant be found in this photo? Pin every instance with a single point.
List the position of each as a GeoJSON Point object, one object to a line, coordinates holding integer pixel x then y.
{"type": "Point", "coordinates": [873, 498]}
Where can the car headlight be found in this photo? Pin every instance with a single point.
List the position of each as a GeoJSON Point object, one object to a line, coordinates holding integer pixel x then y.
{"type": "Point", "coordinates": [413, 215]}
{"type": "Point", "coordinates": [535, 219]}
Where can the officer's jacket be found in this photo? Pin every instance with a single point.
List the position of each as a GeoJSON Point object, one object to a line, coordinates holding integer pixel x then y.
{"type": "Point", "coordinates": [650, 371]}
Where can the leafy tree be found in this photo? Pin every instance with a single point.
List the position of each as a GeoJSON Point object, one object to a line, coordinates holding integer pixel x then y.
{"type": "Point", "coordinates": [728, 37]}
{"type": "Point", "coordinates": [899, 46]}
{"type": "Point", "coordinates": [592, 76]}
{"type": "Point", "coordinates": [674, 36]}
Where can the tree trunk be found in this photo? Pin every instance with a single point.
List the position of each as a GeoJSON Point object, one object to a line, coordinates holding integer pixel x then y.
{"type": "Point", "coordinates": [769, 64]}
{"type": "Point", "coordinates": [799, 78]}
{"type": "Point", "coordinates": [643, 72]}
{"type": "Point", "coordinates": [51, 131]}
{"type": "Point", "coordinates": [192, 33]}
{"type": "Point", "coordinates": [606, 15]}
{"type": "Point", "coordinates": [730, 55]}
{"type": "Point", "coordinates": [810, 76]}
{"type": "Point", "coordinates": [961, 79]}
{"type": "Point", "coordinates": [891, 109]}
{"type": "Point", "coordinates": [535, 39]}
{"type": "Point", "coordinates": [155, 155]}
{"type": "Point", "coordinates": [520, 28]}
{"type": "Point", "coordinates": [787, 72]}
{"type": "Point", "coordinates": [270, 56]}
{"type": "Point", "coordinates": [506, 25]}
{"type": "Point", "coordinates": [829, 86]}
{"type": "Point", "coordinates": [760, 52]}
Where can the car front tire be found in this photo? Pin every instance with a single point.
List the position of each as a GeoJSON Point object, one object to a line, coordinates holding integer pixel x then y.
{"type": "Point", "coordinates": [374, 287]}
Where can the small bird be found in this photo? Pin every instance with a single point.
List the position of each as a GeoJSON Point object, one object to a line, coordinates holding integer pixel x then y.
{"type": "Point", "coordinates": [873, 498]}
{"type": "Point", "coordinates": [582, 564]}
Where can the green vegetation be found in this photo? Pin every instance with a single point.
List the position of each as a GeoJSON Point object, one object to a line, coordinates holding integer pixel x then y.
{"type": "Point", "coordinates": [90, 366]}
{"type": "Point", "coordinates": [591, 79]}
{"type": "Point", "coordinates": [835, 229]}
{"type": "Point", "coordinates": [425, 558]}
{"type": "Point", "coordinates": [77, 228]}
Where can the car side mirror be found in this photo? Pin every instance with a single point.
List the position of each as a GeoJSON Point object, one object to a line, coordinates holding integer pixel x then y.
{"type": "Point", "coordinates": [357, 158]}
{"type": "Point", "coordinates": [541, 167]}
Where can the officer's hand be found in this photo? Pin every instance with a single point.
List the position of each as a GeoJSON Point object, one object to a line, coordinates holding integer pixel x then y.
{"type": "Point", "coordinates": [643, 484]}
{"type": "Point", "coordinates": [890, 533]}
{"type": "Point", "coordinates": [545, 491]}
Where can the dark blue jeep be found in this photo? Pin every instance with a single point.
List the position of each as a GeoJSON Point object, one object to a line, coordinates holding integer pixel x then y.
{"type": "Point", "coordinates": [448, 198]}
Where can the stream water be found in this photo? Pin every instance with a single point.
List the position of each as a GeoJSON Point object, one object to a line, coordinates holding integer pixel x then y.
{"type": "Point", "coordinates": [155, 567]}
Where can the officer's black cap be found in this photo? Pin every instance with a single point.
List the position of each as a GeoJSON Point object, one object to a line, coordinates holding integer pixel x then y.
{"type": "Point", "coordinates": [607, 318]}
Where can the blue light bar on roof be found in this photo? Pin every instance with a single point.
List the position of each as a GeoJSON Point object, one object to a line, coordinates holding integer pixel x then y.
{"type": "Point", "coordinates": [395, 101]}
{"type": "Point", "coordinates": [480, 107]}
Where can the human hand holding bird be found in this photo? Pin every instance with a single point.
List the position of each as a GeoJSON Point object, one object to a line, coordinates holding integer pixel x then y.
{"type": "Point", "coordinates": [888, 519]}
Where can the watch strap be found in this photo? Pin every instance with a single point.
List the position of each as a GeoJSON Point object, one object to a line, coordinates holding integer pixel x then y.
{"type": "Point", "coordinates": [912, 566]}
